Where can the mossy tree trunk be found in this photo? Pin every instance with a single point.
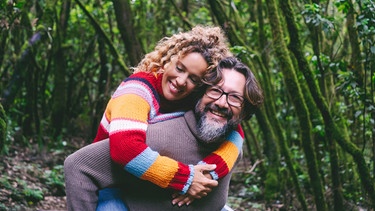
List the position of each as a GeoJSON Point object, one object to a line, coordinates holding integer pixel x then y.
{"type": "Point", "coordinates": [3, 129]}
{"type": "Point", "coordinates": [129, 36]}
{"type": "Point", "coordinates": [294, 90]}
{"type": "Point", "coordinates": [254, 144]}
{"type": "Point", "coordinates": [316, 38]}
{"type": "Point", "coordinates": [60, 92]}
{"type": "Point", "coordinates": [296, 49]}
{"type": "Point", "coordinates": [103, 91]}
{"type": "Point", "coordinates": [356, 57]}
{"type": "Point", "coordinates": [262, 34]}
{"type": "Point", "coordinates": [31, 121]}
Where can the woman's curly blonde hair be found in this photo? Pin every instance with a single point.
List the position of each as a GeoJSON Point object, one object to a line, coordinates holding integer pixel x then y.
{"type": "Point", "coordinates": [210, 42]}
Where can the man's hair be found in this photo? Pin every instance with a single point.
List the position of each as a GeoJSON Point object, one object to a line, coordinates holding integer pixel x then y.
{"type": "Point", "coordinates": [253, 93]}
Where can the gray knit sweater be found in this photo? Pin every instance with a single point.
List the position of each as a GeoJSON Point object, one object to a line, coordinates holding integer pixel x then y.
{"type": "Point", "coordinates": [90, 169]}
{"type": "Point", "coordinates": [176, 139]}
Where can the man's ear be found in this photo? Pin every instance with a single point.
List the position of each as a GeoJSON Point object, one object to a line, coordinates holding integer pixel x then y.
{"type": "Point", "coordinates": [245, 116]}
{"type": "Point", "coordinates": [248, 111]}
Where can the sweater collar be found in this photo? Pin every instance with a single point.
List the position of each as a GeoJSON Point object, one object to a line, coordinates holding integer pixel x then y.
{"type": "Point", "coordinates": [191, 122]}
{"type": "Point", "coordinates": [159, 79]}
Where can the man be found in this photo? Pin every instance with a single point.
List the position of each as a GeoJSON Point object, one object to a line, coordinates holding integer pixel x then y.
{"type": "Point", "coordinates": [233, 96]}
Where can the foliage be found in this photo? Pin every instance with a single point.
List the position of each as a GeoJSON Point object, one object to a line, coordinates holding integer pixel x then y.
{"type": "Point", "coordinates": [20, 190]}
{"type": "Point", "coordinates": [55, 179]}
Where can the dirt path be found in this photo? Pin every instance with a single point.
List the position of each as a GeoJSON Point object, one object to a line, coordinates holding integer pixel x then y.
{"type": "Point", "coordinates": [33, 180]}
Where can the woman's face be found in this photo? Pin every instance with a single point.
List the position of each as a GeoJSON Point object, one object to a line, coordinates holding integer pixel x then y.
{"type": "Point", "coordinates": [182, 75]}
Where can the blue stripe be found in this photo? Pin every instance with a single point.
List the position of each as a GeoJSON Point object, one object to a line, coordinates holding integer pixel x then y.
{"type": "Point", "coordinates": [189, 181]}
{"type": "Point", "coordinates": [236, 139]}
{"type": "Point", "coordinates": [140, 164]}
{"type": "Point", "coordinates": [214, 175]}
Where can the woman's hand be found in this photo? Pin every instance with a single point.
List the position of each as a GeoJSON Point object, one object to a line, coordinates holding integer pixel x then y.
{"type": "Point", "coordinates": [201, 185]}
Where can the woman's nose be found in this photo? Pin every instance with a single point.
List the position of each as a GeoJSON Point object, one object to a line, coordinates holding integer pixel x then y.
{"type": "Point", "coordinates": [181, 80]}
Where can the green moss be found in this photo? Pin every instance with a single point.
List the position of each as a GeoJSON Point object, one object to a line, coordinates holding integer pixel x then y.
{"type": "Point", "coordinates": [3, 127]}
{"type": "Point", "coordinates": [272, 185]}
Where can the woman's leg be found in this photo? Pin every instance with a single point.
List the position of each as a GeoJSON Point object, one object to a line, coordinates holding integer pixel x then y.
{"type": "Point", "coordinates": [111, 199]}
{"type": "Point", "coordinates": [86, 171]}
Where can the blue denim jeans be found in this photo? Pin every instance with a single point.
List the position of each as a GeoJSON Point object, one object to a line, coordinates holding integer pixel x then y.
{"type": "Point", "coordinates": [111, 199]}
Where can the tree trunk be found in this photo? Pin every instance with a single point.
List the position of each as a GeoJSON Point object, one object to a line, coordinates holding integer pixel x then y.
{"type": "Point", "coordinates": [356, 58]}
{"type": "Point", "coordinates": [3, 45]}
{"type": "Point", "coordinates": [102, 87]}
{"type": "Point", "coordinates": [3, 129]}
{"type": "Point", "coordinates": [252, 141]}
{"type": "Point", "coordinates": [124, 20]}
{"type": "Point", "coordinates": [59, 101]}
{"type": "Point", "coordinates": [261, 34]}
{"type": "Point", "coordinates": [100, 31]}
{"type": "Point", "coordinates": [184, 13]}
{"type": "Point", "coordinates": [315, 38]}
{"type": "Point", "coordinates": [25, 56]}
{"type": "Point", "coordinates": [372, 97]}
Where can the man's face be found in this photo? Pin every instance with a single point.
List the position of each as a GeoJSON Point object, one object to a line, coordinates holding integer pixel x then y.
{"type": "Point", "coordinates": [216, 117]}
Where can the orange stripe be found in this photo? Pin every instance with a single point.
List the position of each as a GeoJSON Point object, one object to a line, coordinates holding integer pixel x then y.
{"type": "Point", "coordinates": [162, 166]}
{"type": "Point", "coordinates": [128, 106]}
{"type": "Point", "coordinates": [228, 152]}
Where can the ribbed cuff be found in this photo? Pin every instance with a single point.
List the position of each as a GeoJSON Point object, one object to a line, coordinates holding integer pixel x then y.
{"type": "Point", "coordinates": [189, 181]}
{"type": "Point", "coordinates": [213, 173]}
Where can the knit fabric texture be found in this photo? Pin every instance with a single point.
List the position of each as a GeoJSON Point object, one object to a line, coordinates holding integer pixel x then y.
{"type": "Point", "coordinates": [134, 105]}
{"type": "Point", "coordinates": [143, 196]}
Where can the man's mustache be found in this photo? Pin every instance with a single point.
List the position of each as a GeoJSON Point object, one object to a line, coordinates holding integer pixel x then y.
{"type": "Point", "coordinates": [224, 111]}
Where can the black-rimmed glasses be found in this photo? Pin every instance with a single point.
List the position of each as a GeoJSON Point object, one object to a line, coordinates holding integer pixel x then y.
{"type": "Point", "coordinates": [233, 99]}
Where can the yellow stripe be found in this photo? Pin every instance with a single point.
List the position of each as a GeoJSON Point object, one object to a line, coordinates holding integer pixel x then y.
{"type": "Point", "coordinates": [128, 106]}
{"type": "Point", "coordinates": [163, 167]}
{"type": "Point", "coordinates": [228, 152]}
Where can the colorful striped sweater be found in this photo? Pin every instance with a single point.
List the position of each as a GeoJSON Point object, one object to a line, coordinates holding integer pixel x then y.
{"type": "Point", "coordinates": [134, 105]}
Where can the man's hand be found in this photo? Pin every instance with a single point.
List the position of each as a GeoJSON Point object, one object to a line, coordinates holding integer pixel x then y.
{"type": "Point", "coordinates": [202, 184]}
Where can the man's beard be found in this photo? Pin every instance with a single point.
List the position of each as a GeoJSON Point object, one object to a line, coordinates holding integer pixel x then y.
{"type": "Point", "coordinates": [211, 131]}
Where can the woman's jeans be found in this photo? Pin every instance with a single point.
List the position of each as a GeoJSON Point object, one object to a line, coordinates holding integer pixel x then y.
{"type": "Point", "coordinates": [111, 199]}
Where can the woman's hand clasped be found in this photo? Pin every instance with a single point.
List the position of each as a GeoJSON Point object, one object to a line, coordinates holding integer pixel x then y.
{"type": "Point", "coordinates": [201, 185]}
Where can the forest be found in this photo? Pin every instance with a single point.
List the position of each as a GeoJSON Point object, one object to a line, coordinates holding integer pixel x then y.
{"type": "Point", "coordinates": [311, 146]}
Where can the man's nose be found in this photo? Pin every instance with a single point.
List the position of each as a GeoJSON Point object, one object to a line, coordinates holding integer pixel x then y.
{"type": "Point", "coordinates": [222, 101]}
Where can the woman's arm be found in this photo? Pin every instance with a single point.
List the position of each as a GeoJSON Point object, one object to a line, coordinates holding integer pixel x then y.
{"type": "Point", "coordinates": [126, 121]}
{"type": "Point", "coordinates": [226, 155]}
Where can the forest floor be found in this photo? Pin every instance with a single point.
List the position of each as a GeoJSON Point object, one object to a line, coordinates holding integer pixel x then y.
{"type": "Point", "coordinates": [32, 179]}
